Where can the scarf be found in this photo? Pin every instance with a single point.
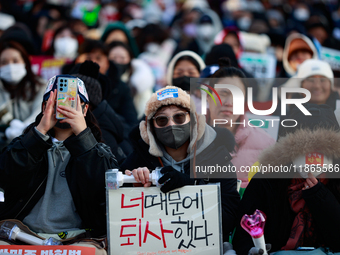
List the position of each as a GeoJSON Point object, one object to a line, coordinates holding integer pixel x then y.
{"type": "Point", "coordinates": [303, 229]}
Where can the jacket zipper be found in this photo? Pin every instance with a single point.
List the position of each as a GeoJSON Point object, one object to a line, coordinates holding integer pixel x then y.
{"type": "Point", "coordinates": [30, 198]}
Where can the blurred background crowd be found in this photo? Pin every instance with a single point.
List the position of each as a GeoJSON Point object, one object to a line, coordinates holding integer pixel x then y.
{"type": "Point", "coordinates": [143, 45]}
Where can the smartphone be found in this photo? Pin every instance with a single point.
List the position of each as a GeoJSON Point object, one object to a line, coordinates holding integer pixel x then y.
{"type": "Point", "coordinates": [66, 94]}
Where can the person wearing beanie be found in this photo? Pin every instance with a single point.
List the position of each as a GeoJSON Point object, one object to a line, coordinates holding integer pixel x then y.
{"type": "Point", "coordinates": [302, 206]}
{"type": "Point", "coordinates": [171, 136]}
{"type": "Point", "coordinates": [53, 176]}
{"type": "Point", "coordinates": [183, 66]}
{"type": "Point", "coordinates": [111, 125]}
{"type": "Point", "coordinates": [298, 48]}
{"type": "Point", "coordinates": [317, 77]}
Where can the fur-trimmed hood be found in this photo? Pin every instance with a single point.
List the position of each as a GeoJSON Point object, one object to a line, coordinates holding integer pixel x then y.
{"type": "Point", "coordinates": [182, 99]}
{"type": "Point", "coordinates": [302, 142]}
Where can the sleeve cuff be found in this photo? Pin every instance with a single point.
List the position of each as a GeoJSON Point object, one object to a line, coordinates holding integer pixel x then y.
{"type": "Point", "coordinates": [35, 144]}
{"type": "Point", "coordinates": [81, 143]}
{"type": "Point", "coordinates": [319, 190]}
{"type": "Point", "coordinates": [44, 137]}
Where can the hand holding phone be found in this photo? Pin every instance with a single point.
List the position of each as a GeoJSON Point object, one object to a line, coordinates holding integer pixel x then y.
{"type": "Point", "coordinates": [67, 93]}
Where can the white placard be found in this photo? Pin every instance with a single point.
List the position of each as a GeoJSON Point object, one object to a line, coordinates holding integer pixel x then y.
{"type": "Point", "coordinates": [146, 221]}
{"type": "Point", "coordinates": [332, 57]}
{"type": "Point", "coordinates": [270, 124]}
{"type": "Point", "coordinates": [2, 197]}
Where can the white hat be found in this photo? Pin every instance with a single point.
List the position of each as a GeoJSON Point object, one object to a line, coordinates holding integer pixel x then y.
{"type": "Point", "coordinates": [312, 67]}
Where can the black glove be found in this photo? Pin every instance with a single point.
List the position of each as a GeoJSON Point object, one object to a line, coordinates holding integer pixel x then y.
{"type": "Point", "coordinates": [173, 179]}
{"type": "Point", "coordinates": [258, 251]}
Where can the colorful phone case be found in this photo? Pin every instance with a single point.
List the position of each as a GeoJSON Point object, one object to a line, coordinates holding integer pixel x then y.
{"type": "Point", "coordinates": [67, 94]}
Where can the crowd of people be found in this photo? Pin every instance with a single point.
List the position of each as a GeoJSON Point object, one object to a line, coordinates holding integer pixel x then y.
{"type": "Point", "coordinates": [138, 66]}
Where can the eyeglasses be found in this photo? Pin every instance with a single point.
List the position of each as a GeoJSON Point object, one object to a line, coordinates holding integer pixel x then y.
{"type": "Point", "coordinates": [178, 118]}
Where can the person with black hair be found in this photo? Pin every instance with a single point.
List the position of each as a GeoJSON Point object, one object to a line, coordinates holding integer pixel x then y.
{"type": "Point", "coordinates": [20, 91]}
{"type": "Point", "coordinates": [250, 141]}
{"type": "Point", "coordinates": [302, 206]}
{"type": "Point", "coordinates": [173, 136]}
{"type": "Point", "coordinates": [115, 92]}
{"type": "Point", "coordinates": [134, 72]}
{"type": "Point", "coordinates": [64, 43]}
{"type": "Point", "coordinates": [53, 176]}
{"type": "Point", "coordinates": [110, 123]}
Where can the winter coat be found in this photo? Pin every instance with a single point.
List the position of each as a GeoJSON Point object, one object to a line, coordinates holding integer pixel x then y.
{"type": "Point", "coordinates": [20, 109]}
{"type": "Point", "coordinates": [112, 128]}
{"type": "Point", "coordinates": [268, 193]}
{"type": "Point", "coordinates": [215, 153]}
{"type": "Point", "coordinates": [250, 142]}
{"type": "Point", "coordinates": [24, 169]}
{"type": "Point", "coordinates": [142, 82]}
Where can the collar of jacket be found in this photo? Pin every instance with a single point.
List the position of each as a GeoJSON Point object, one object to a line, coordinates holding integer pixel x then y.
{"type": "Point", "coordinates": [302, 142]}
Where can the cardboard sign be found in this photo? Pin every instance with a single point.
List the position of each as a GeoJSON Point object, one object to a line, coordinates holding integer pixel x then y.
{"type": "Point", "coordinates": [47, 250]}
{"type": "Point", "coordinates": [270, 124]}
{"type": "Point", "coordinates": [332, 57]}
{"type": "Point", "coordinates": [146, 221]}
{"type": "Point", "coordinates": [47, 67]}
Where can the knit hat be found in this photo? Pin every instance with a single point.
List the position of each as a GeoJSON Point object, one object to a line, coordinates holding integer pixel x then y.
{"type": "Point", "coordinates": [315, 67]}
{"type": "Point", "coordinates": [88, 72]}
{"type": "Point", "coordinates": [21, 34]}
{"type": "Point", "coordinates": [52, 84]}
{"type": "Point", "coordinates": [167, 96]}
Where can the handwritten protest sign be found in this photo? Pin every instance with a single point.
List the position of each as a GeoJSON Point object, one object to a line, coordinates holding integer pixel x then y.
{"type": "Point", "coordinates": [145, 221]}
{"type": "Point", "coordinates": [332, 57]}
{"type": "Point", "coordinates": [47, 250]}
{"type": "Point", "coordinates": [47, 67]}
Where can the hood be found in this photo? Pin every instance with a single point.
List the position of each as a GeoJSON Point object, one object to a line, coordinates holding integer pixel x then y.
{"type": "Point", "coordinates": [302, 142]}
{"type": "Point", "coordinates": [173, 61]}
{"type": "Point", "coordinates": [205, 44]}
{"type": "Point", "coordinates": [207, 138]}
{"type": "Point", "coordinates": [121, 26]}
{"type": "Point", "coordinates": [292, 37]}
{"type": "Point", "coordinates": [197, 131]}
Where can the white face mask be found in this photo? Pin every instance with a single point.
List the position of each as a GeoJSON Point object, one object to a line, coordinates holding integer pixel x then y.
{"type": "Point", "coordinates": [205, 31]}
{"type": "Point", "coordinates": [65, 47]}
{"type": "Point", "coordinates": [13, 73]}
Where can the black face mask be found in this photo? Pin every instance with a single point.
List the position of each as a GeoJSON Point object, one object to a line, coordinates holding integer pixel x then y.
{"type": "Point", "coordinates": [182, 82]}
{"type": "Point", "coordinates": [122, 68]}
{"type": "Point", "coordinates": [62, 125]}
{"type": "Point", "coordinates": [173, 136]}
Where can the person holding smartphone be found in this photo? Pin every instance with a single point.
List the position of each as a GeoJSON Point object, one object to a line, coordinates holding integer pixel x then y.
{"type": "Point", "coordinates": [53, 176]}
{"type": "Point", "coordinates": [171, 136]}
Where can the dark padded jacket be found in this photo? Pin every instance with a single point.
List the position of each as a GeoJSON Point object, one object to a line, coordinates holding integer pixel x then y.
{"type": "Point", "coordinates": [24, 170]}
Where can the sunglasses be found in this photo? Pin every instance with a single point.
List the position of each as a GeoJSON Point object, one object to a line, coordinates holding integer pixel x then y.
{"type": "Point", "coordinates": [178, 118]}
